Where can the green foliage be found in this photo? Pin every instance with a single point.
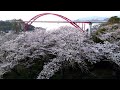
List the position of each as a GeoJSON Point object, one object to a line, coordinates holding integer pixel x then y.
{"type": "Point", "coordinates": [16, 25]}
{"type": "Point", "coordinates": [100, 31]}
{"type": "Point", "coordinates": [96, 39]}
{"type": "Point", "coordinates": [5, 26]}
{"type": "Point", "coordinates": [114, 20]}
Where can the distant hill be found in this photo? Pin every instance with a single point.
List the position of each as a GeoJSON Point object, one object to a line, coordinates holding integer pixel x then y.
{"type": "Point", "coordinates": [16, 25]}
{"type": "Point", "coordinates": [93, 18]}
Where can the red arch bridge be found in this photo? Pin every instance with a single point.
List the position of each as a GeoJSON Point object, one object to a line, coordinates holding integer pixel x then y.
{"type": "Point", "coordinates": [74, 23]}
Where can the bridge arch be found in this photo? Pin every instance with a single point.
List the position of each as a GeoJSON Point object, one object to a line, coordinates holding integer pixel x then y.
{"type": "Point", "coordinates": [39, 15]}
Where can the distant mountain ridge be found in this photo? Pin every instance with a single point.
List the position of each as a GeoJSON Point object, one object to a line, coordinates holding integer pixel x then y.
{"type": "Point", "coordinates": [93, 18]}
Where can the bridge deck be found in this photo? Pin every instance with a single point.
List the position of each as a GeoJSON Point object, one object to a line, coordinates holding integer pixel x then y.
{"type": "Point", "coordinates": [67, 22]}
{"type": "Point", "coordinates": [72, 21]}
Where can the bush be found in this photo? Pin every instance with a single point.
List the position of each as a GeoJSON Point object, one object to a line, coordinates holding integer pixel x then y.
{"type": "Point", "coordinates": [96, 39]}
{"type": "Point", "coordinates": [100, 31]}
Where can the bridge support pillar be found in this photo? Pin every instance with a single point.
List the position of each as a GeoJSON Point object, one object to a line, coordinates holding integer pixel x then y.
{"type": "Point", "coordinates": [89, 31]}
{"type": "Point", "coordinates": [82, 26]}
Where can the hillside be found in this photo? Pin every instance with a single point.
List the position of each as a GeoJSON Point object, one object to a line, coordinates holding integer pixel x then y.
{"type": "Point", "coordinates": [14, 25]}
{"type": "Point", "coordinates": [64, 53]}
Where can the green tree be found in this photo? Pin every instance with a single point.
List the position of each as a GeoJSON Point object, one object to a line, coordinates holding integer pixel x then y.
{"type": "Point", "coordinates": [16, 25]}
{"type": "Point", "coordinates": [114, 19]}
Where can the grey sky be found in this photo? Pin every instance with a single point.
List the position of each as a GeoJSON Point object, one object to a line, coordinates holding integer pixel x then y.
{"type": "Point", "coordinates": [26, 15]}
{"type": "Point", "coordinates": [73, 15]}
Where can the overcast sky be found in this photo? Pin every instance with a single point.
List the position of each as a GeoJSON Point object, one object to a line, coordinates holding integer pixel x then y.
{"type": "Point", "coordinates": [73, 15]}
